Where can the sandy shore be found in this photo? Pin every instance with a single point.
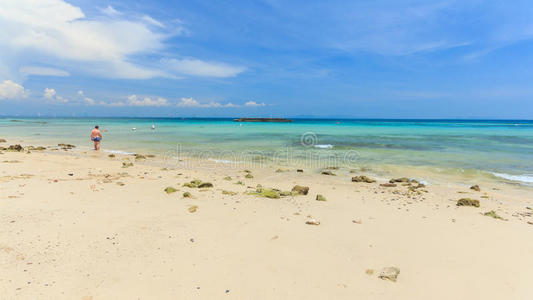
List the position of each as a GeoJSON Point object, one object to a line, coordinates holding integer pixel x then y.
{"type": "Point", "coordinates": [78, 225]}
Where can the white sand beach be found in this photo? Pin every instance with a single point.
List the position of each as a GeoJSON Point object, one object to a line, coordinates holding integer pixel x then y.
{"type": "Point", "coordinates": [78, 225]}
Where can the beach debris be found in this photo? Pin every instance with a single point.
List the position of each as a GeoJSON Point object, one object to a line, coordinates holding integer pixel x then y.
{"type": "Point", "coordinates": [227, 178]}
{"type": "Point", "coordinates": [193, 208]}
{"type": "Point", "coordinates": [249, 176]}
{"type": "Point", "coordinates": [320, 198]}
{"type": "Point", "coordinates": [475, 188]}
{"type": "Point", "coordinates": [111, 155]}
{"type": "Point", "coordinates": [224, 192]}
{"type": "Point", "coordinates": [331, 168]}
{"type": "Point", "coordinates": [2, 141]}
{"type": "Point", "coordinates": [170, 190]}
{"type": "Point", "coordinates": [401, 179]}
{"type": "Point", "coordinates": [363, 178]}
{"type": "Point", "coordinates": [327, 172]}
{"type": "Point", "coordinates": [187, 195]}
{"type": "Point", "coordinates": [299, 170]}
{"type": "Point", "coordinates": [357, 221]}
{"type": "Point", "coordinates": [300, 190]}
{"type": "Point", "coordinates": [530, 223]}
{"type": "Point", "coordinates": [139, 156]}
{"type": "Point", "coordinates": [494, 215]}
{"type": "Point", "coordinates": [150, 155]}
{"type": "Point", "coordinates": [388, 184]}
{"type": "Point", "coordinates": [247, 171]}
{"type": "Point", "coordinates": [127, 164]}
{"type": "Point", "coordinates": [389, 273]}
{"type": "Point", "coordinates": [70, 174]}
{"type": "Point", "coordinates": [120, 183]}
{"type": "Point", "coordinates": [17, 148]}
{"type": "Point", "coordinates": [369, 272]}
{"type": "Point", "coordinates": [312, 222]}
{"type": "Point", "coordinates": [468, 202]}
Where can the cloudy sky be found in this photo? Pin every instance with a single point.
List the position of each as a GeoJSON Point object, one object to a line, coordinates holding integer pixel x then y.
{"type": "Point", "coordinates": [360, 58]}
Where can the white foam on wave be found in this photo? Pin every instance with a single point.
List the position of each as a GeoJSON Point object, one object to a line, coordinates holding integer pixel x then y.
{"type": "Point", "coordinates": [526, 178]}
{"type": "Point", "coordinates": [326, 146]}
{"type": "Point", "coordinates": [224, 161]}
{"type": "Point", "coordinates": [118, 152]}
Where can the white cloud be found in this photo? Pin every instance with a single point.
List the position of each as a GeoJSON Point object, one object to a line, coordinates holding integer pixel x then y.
{"type": "Point", "coordinates": [152, 21]}
{"type": "Point", "coordinates": [59, 32]}
{"type": "Point", "coordinates": [51, 95]}
{"type": "Point", "coordinates": [254, 104]}
{"type": "Point", "coordinates": [12, 90]}
{"type": "Point", "coordinates": [133, 100]}
{"type": "Point", "coordinates": [85, 99]}
{"type": "Point", "coordinates": [43, 71]}
{"type": "Point", "coordinates": [50, 30]}
{"type": "Point", "coordinates": [110, 11]}
{"type": "Point", "coordinates": [191, 102]}
{"type": "Point", "coordinates": [196, 67]}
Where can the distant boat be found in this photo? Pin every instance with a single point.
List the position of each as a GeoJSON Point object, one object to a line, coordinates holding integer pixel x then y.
{"type": "Point", "coordinates": [276, 120]}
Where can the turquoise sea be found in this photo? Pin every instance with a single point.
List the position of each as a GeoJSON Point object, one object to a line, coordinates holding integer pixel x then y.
{"type": "Point", "coordinates": [503, 148]}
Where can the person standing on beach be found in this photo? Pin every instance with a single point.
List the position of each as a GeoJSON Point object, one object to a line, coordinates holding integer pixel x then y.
{"type": "Point", "coordinates": [96, 137]}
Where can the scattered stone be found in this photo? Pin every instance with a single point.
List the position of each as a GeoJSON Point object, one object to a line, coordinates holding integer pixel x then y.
{"type": "Point", "coordinates": [281, 170]}
{"type": "Point", "coordinates": [268, 193]}
{"type": "Point", "coordinates": [193, 209]}
{"type": "Point", "coordinates": [363, 178]}
{"type": "Point", "coordinates": [120, 183]}
{"type": "Point", "coordinates": [388, 184]}
{"type": "Point", "coordinates": [70, 174]}
{"type": "Point", "coordinates": [494, 215]}
{"type": "Point", "coordinates": [17, 148]}
{"type": "Point", "coordinates": [227, 178]}
{"type": "Point", "coordinates": [66, 146]}
{"type": "Point", "coordinates": [249, 176]}
{"type": "Point", "coordinates": [331, 168]}
{"type": "Point", "coordinates": [247, 171]}
{"type": "Point", "coordinates": [475, 188]}
{"type": "Point", "coordinates": [2, 141]}
{"type": "Point", "coordinates": [530, 223]}
{"type": "Point", "coordinates": [224, 192]}
{"type": "Point", "coordinates": [300, 190]}
{"type": "Point", "coordinates": [127, 164]}
{"type": "Point", "coordinates": [389, 273]}
{"type": "Point", "coordinates": [369, 272]}
{"type": "Point", "coordinates": [402, 179]}
{"type": "Point", "coordinates": [111, 155]}
{"type": "Point", "coordinates": [357, 221]}
{"type": "Point", "coordinates": [312, 222]}
{"type": "Point", "coordinates": [150, 155]}
{"type": "Point", "coordinates": [468, 202]}
{"type": "Point", "coordinates": [39, 148]}
{"type": "Point", "coordinates": [205, 185]}
{"type": "Point", "coordinates": [320, 198]}
{"type": "Point", "coordinates": [139, 156]}
{"type": "Point", "coordinates": [187, 195]}
{"type": "Point", "coordinates": [299, 170]}
{"type": "Point", "coordinates": [327, 172]}
{"type": "Point", "coordinates": [193, 184]}
{"type": "Point", "coordinates": [170, 190]}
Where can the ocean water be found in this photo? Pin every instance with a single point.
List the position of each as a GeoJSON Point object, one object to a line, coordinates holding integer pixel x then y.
{"type": "Point", "coordinates": [501, 148]}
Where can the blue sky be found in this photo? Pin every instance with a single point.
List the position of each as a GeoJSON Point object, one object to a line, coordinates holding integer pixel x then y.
{"type": "Point", "coordinates": [363, 59]}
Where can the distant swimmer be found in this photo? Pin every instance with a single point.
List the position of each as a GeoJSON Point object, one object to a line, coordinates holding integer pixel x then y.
{"type": "Point", "coordinates": [134, 128]}
{"type": "Point", "coordinates": [96, 137]}
{"type": "Point", "coordinates": [153, 127]}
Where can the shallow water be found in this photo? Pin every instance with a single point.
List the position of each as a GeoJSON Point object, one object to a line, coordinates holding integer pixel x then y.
{"type": "Point", "coordinates": [502, 148]}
